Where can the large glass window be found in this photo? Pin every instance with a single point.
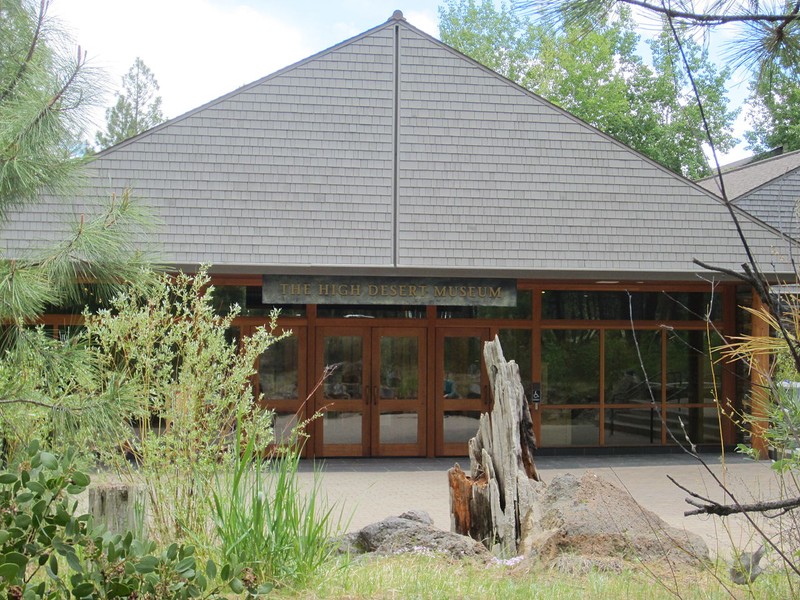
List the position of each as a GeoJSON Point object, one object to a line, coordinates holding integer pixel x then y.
{"type": "Point", "coordinates": [460, 426]}
{"type": "Point", "coordinates": [345, 353]}
{"type": "Point", "coordinates": [573, 427]}
{"type": "Point", "coordinates": [632, 426]}
{"type": "Point", "coordinates": [571, 366]}
{"type": "Point", "coordinates": [619, 306]}
{"type": "Point", "coordinates": [692, 372]}
{"type": "Point", "coordinates": [632, 366]}
{"type": "Point", "coordinates": [636, 387]}
{"type": "Point", "coordinates": [700, 423]}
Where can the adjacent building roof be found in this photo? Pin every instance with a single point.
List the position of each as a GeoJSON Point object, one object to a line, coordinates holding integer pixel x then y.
{"type": "Point", "coordinates": [768, 189]}
{"type": "Point", "coordinates": [393, 153]}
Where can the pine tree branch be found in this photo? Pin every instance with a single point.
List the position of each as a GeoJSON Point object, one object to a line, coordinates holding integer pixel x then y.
{"type": "Point", "coordinates": [23, 67]}
{"type": "Point", "coordinates": [54, 407]}
{"type": "Point", "coordinates": [707, 19]}
{"type": "Point", "coordinates": [666, 11]}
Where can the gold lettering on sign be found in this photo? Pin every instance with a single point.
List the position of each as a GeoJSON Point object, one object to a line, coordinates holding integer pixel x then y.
{"type": "Point", "coordinates": [337, 289]}
{"type": "Point", "coordinates": [295, 289]}
{"type": "Point", "coordinates": [471, 291]}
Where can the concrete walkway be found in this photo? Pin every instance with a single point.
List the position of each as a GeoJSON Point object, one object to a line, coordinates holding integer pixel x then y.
{"type": "Point", "coordinates": [368, 490]}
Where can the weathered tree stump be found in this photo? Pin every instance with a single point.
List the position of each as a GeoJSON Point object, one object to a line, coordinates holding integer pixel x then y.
{"type": "Point", "coordinates": [120, 507]}
{"type": "Point", "coordinates": [492, 502]}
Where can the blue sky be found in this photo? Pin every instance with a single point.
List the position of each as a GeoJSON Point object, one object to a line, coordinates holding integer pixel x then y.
{"type": "Point", "coordinates": [202, 49]}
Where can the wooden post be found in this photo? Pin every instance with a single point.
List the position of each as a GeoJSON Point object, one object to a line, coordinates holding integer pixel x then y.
{"type": "Point", "coordinates": [120, 507]}
{"type": "Point", "coordinates": [493, 501]}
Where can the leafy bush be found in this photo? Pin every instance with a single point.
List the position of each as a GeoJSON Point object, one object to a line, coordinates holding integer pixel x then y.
{"type": "Point", "coordinates": [168, 348]}
{"type": "Point", "coordinates": [46, 551]}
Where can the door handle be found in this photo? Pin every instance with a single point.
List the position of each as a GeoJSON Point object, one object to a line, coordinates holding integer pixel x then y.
{"type": "Point", "coordinates": [375, 396]}
{"type": "Point", "coordinates": [366, 395]}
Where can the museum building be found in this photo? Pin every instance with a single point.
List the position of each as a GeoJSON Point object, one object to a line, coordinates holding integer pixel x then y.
{"type": "Point", "coordinates": [402, 204]}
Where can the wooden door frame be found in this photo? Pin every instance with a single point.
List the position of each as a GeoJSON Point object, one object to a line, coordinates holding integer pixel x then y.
{"type": "Point", "coordinates": [361, 405]}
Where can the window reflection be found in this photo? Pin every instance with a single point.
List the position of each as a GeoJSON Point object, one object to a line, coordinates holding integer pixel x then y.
{"type": "Point", "coordinates": [344, 353]}
{"type": "Point", "coordinates": [277, 370]}
{"type": "Point", "coordinates": [632, 426]}
{"type": "Point", "coordinates": [341, 427]}
{"type": "Point", "coordinates": [571, 366]}
{"type": "Point", "coordinates": [398, 428]}
{"type": "Point", "coordinates": [516, 344]}
{"type": "Point", "coordinates": [460, 426]}
{"type": "Point", "coordinates": [621, 306]}
{"type": "Point", "coordinates": [399, 367]}
{"type": "Point", "coordinates": [626, 353]}
{"type": "Point", "coordinates": [691, 370]}
{"type": "Point", "coordinates": [462, 367]}
{"type": "Point", "coordinates": [248, 298]}
{"type": "Point", "coordinates": [700, 423]}
{"type": "Point", "coordinates": [574, 427]}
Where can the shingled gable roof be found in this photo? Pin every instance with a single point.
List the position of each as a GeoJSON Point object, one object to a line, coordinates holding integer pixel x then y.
{"type": "Point", "coordinates": [393, 153]}
{"type": "Point", "coordinates": [768, 189]}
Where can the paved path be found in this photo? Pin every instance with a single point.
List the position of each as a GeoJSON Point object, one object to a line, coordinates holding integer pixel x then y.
{"type": "Point", "coordinates": [369, 490]}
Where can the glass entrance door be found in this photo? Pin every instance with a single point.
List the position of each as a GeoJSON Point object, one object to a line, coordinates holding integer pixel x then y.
{"type": "Point", "coordinates": [373, 402]}
{"type": "Point", "coordinates": [398, 410]}
{"type": "Point", "coordinates": [463, 392]}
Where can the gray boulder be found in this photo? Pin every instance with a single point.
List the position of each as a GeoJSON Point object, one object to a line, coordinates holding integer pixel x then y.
{"type": "Point", "coordinates": [592, 518]}
{"type": "Point", "coordinates": [413, 532]}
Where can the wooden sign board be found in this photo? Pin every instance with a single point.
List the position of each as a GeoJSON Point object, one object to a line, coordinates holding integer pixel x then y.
{"type": "Point", "coordinates": [320, 289]}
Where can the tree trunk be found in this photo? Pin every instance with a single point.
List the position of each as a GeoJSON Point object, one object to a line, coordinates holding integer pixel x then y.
{"type": "Point", "coordinates": [492, 502]}
{"type": "Point", "coordinates": [118, 506]}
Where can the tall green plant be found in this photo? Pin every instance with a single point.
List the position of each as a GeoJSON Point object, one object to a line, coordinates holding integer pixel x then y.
{"type": "Point", "coordinates": [190, 386]}
{"type": "Point", "coordinates": [263, 519]}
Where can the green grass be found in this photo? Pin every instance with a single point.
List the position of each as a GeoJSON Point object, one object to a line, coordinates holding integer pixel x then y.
{"type": "Point", "coordinates": [417, 576]}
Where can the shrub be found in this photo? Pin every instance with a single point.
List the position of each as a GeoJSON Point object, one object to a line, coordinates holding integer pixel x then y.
{"type": "Point", "coordinates": [166, 345]}
{"type": "Point", "coordinates": [46, 551]}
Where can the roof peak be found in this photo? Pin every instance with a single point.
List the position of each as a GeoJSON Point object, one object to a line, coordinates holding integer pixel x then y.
{"type": "Point", "coordinates": [397, 16]}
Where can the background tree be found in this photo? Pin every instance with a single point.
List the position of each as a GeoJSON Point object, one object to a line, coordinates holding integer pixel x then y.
{"type": "Point", "coordinates": [775, 112]}
{"type": "Point", "coordinates": [138, 107]}
{"type": "Point", "coordinates": [597, 75]}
